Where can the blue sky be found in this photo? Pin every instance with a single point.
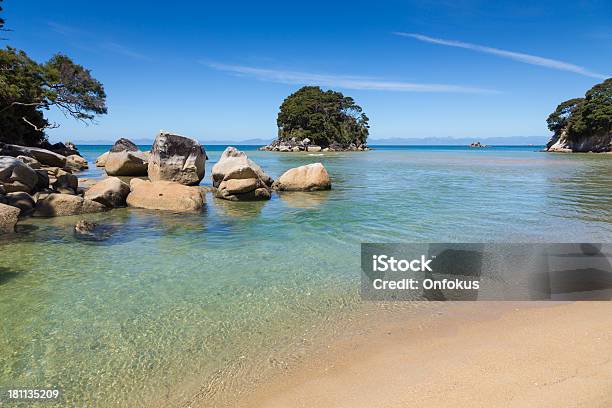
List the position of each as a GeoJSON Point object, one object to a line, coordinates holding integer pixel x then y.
{"type": "Point", "coordinates": [220, 70]}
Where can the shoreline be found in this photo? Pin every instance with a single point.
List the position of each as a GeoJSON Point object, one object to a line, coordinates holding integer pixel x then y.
{"type": "Point", "coordinates": [472, 354]}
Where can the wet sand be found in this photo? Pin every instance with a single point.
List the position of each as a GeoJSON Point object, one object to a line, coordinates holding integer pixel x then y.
{"type": "Point", "coordinates": [474, 354]}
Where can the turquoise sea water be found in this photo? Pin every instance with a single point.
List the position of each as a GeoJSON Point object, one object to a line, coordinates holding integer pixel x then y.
{"type": "Point", "coordinates": [174, 307]}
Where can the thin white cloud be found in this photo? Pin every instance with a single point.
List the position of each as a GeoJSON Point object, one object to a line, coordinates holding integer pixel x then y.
{"type": "Point", "coordinates": [340, 81]}
{"type": "Point", "coordinates": [92, 42]}
{"type": "Point", "coordinates": [517, 56]}
{"type": "Point", "coordinates": [123, 50]}
{"type": "Point", "coordinates": [63, 29]}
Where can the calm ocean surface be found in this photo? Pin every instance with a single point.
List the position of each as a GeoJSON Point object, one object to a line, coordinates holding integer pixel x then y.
{"type": "Point", "coordinates": [176, 305]}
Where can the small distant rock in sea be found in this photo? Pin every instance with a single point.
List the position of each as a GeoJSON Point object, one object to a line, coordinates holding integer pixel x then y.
{"type": "Point", "coordinates": [478, 145]}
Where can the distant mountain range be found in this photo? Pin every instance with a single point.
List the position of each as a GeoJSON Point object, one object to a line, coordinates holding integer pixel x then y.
{"type": "Point", "coordinates": [427, 141]}
{"type": "Point", "coordinates": [461, 141]}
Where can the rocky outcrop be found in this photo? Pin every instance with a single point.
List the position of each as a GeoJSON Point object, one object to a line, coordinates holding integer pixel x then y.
{"type": "Point", "coordinates": [176, 158]}
{"type": "Point", "coordinates": [58, 205]}
{"type": "Point", "coordinates": [101, 160]}
{"type": "Point", "coordinates": [236, 177]}
{"type": "Point", "coordinates": [304, 178]}
{"type": "Point", "coordinates": [126, 163]}
{"type": "Point", "coordinates": [16, 175]}
{"type": "Point", "coordinates": [111, 192]}
{"type": "Point", "coordinates": [77, 163]}
{"type": "Point", "coordinates": [8, 218]}
{"type": "Point", "coordinates": [122, 145]}
{"type": "Point", "coordinates": [164, 195]}
{"type": "Point", "coordinates": [561, 142]}
{"type": "Point", "coordinates": [44, 156]}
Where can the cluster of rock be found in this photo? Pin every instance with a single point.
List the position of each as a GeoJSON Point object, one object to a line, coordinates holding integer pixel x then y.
{"type": "Point", "coordinates": [174, 164]}
{"type": "Point", "coordinates": [39, 182]}
{"type": "Point", "coordinates": [477, 145]}
{"type": "Point", "coordinates": [238, 178]}
{"type": "Point", "coordinates": [294, 145]}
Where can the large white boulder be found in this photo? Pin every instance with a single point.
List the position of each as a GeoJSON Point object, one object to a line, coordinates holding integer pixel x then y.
{"type": "Point", "coordinates": [304, 178]}
{"type": "Point", "coordinates": [164, 195]}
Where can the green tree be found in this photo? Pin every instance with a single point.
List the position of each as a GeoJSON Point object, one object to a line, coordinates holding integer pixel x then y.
{"type": "Point", "coordinates": [559, 119]}
{"type": "Point", "coordinates": [585, 117]}
{"type": "Point", "coordinates": [323, 117]}
{"type": "Point", "coordinates": [28, 88]}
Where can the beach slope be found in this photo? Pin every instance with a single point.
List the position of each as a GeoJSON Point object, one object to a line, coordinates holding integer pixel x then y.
{"type": "Point", "coordinates": [474, 355]}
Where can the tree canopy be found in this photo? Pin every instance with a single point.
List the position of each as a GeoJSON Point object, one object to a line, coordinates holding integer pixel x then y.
{"type": "Point", "coordinates": [584, 117]}
{"type": "Point", "coordinates": [323, 117]}
{"type": "Point", "coordinates": [28, 88]}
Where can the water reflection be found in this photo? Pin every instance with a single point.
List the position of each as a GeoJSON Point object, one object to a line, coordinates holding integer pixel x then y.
{"type": "Point", "coordinates": [237, 209]}
{"type": "Point", "coordinates": [304, 200]}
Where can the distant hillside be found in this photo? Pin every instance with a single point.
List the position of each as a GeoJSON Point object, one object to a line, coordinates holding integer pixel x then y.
{"type": "Point", "coordinates": [461, 141]}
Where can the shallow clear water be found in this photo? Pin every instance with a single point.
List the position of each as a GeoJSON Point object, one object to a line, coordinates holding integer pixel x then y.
{"type": "Point", "coordinates": [171, 306]}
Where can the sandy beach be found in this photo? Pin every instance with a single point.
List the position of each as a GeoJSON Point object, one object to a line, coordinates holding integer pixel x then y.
{"type": "Point", "coordinates": [471, 355]}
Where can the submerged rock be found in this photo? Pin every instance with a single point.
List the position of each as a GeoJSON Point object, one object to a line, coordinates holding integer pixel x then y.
{"type": "Point", "coordinates": [304, 178]}
{"type": "Point", "coordinates": [111, 192]}
{"type": "Point", "coordinates": [91, 231]}
{"type": "Point", "coordinates": [8, 218]}
{"type": "Point", "coordinates": [164, 195]}
{"type": "Point", "coordinates": [85, 227]}
{"type": "Point", "coordinates": [58, 205]}
{"type": "Point", "coordinates": [176, 158]}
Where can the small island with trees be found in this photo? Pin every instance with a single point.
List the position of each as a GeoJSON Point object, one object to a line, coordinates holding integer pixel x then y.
{"type": "Point", "coordinates": [314, 120]}
{"type": "Point", "coordinates": [583, 124]}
